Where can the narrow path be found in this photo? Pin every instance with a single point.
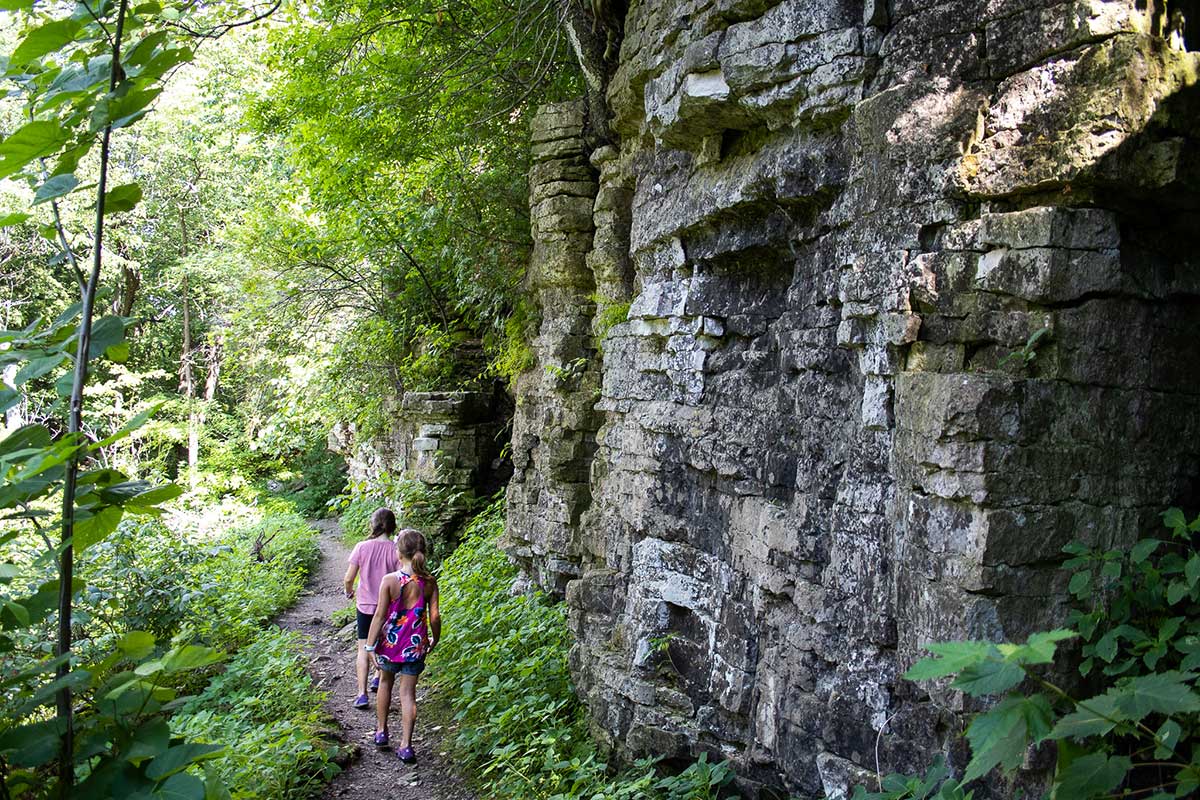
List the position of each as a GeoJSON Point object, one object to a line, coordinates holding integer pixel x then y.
{"type": "Point", "coordinates": [330, 651]}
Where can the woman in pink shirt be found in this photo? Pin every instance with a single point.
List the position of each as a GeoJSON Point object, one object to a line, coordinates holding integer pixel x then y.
{"type": "Point", "coordinates": [370, 561]}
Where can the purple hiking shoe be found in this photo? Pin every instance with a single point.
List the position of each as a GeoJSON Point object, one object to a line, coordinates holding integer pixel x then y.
{"type": "Point", "coordinates": [406, 755]}
{"type": "Point", "coordinates": [362, 701]}
{"type": "Point", "coordinates": [374, 687]}
{"type": "Point", "coordinates": [381, 740]}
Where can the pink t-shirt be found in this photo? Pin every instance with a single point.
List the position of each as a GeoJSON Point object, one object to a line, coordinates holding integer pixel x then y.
{"type": "Point", "coordinates": [375, 559]}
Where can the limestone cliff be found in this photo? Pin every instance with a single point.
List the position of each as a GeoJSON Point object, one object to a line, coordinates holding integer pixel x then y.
{"type": "Point", "coordinates": [806, 449]}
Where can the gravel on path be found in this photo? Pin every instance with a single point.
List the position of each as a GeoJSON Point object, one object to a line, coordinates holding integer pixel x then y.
{"type": "Point", "coordinates": [370, 773]}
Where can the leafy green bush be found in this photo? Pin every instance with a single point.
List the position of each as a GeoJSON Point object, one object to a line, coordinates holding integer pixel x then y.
{"type": "Point", "coordinates": [415, 504]}
{"type": "Point", "coordinates": [503, 669]}
{"type": "Point", "coordinates": [265, 707]}
{"type": "Point", "coordinates": [254, 573]}
{"type": "Point", "coordinates": [1135, 735]}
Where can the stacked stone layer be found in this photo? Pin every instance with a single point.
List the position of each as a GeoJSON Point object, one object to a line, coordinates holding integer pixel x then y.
{"type": "Point", "coordinates": [818, 441]}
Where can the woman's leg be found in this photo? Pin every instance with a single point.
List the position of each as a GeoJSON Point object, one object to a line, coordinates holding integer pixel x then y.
{"type": "Point", "coordinates": [383, 700]}
{"type": "Point", "coordinates": [408, 708]}
{"type": "Point", "coordinates": [360, 666]}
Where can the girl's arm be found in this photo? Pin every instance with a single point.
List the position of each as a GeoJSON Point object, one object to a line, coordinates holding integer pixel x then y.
{"type": "Point", "coordinates": [381, 609]}
{"type": "Point", "coordinates": [348, 581]}
{"type": "Point", "coordinates": [435, 619]}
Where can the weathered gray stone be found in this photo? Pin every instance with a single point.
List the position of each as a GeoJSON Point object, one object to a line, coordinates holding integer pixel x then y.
{"type": "Point", "coordinates": [817, 439]}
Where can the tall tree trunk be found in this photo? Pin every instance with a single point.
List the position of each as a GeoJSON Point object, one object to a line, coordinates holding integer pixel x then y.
{"type": "Point", "coordinates": [66, 564]}
{"type": "Point", "coordinates": [187, 385]}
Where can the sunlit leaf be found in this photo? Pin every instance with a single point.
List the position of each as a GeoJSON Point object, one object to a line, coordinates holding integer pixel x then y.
{"type": "Point", "coordinates": [44, 40]}
{"type": "Point", "coordinates": [55, 187]}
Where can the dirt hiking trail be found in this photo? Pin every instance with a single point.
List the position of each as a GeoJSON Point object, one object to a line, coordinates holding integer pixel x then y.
{"type": "Point", "coordinates": [369, 773]}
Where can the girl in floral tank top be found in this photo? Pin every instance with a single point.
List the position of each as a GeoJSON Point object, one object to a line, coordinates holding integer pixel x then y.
{"type": "Point", "coordinates": [404, 630]}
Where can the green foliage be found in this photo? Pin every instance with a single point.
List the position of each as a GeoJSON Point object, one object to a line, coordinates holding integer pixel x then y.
{"type": "Point", "coordinates": [1135, 734]}
{"type": "Point", "coordinates": [252, 575]}
{"type": "Point", "coordinates": [610, 313]}
{"type": "Point", "coordinates": [415, 504]}
{"type": "Point", "coordinates": [1025, 355]}
{"type": "Point", "coordinates": [504, 670]}
{"type": "Point", "coordinates": [264, 704]}
{"type": "Point", "coordinates": [935, 784]}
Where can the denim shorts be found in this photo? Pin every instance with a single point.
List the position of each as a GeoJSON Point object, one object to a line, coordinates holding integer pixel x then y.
{"type": "Point", "coordinates": [404, 668]}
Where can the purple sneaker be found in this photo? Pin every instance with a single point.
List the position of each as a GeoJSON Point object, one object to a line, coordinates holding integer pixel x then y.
{"type": "Point", "coordinates": [406, 755]}
{"type": "Point", "coordinates": [381, 740]}
{"type": "Point", "coordinates": [362, 701]}
{"type": "Point", "coordinates": [374, 687]}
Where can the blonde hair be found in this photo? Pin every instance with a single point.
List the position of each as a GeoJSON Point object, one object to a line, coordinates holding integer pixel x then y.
{"type": "Point", "coordinates": [383, 523]}
{"type": "Point", "coordinates": [411, 544]}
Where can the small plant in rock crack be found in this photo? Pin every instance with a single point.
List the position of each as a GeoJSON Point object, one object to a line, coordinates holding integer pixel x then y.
{"type": "Point", "coordinates": [1024, 355]}
{"type": "Point", "coordinates": [661, 646]}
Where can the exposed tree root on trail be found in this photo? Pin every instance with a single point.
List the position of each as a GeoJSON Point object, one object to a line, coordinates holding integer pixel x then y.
{"type": "Point", "coordinates": [330, 652]}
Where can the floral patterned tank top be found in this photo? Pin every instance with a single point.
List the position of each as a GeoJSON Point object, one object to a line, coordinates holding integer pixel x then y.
{"type": "Point", "coordinates": [405, 635]}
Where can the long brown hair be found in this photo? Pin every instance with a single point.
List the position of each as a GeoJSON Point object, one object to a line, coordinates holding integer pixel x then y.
{"type": "Point", "coordinates": [411, 545]}
{"type": "Point", "coordinates": [383, 523]}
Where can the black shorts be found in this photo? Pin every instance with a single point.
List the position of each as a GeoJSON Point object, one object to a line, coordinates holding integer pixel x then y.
{"type": "Point", "coordinates": [364, 623]}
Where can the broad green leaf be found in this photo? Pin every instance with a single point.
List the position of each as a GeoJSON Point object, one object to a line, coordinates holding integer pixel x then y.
{"type": "Point", "coordinates": [999, 736]}
{"type": "Point", "coordinates": [24, 439]}
{"type": "Point", "coordinates": [1092, 717]}
{"type": "Point", "coordinates": [214, 787]}
{"type": "Point", "coordinates": [953, 657]}
{"type": "Point", "coordinates": [38, 367]}
{"type": "Point", "coordinates": [8, 572]}
{"type": "Point", "coordinates": [121, 110]}
{"type": "Point", "coordinates": [107, 332]}
{"type": "Point", "coordinates": [1160, 692]}
{"type": "Point", "coordinates": [1168, 737]}
{"type": "Point", "coordinates": [189, 657]}
{"type": "Point", "coordinates": [19, 613]}
{"type": "Point", "coordinates": [182, 786]}
{"type": "Point", "coordinates": [96, 527]}
{"type": "Point", "coordinates": [16, 5]}
{"type": "Point", "coordinates": [1081, 584]}
{"type": "Point", "coordinates": [55, 187]}
{"type": "Point", "coordinates": [1039, 649]}
{"type": "Point", "coordinates": [151, 739]}
{"type": "Point", "coordinates": [989, 677]}
{"type": "Point", "coordinates": [44, 40]}
{"type": "Point", "coordinates": [32, 745]}
{"type": "Point", "coordinates": [74, 679]}
{"type": "Point", "coordinates": [1091, 775]}
{"type": "Point", "coordinates": [1192, 570]}
{"type": "Point", "coordinates": [136, 644]}
{"type": "Point", "coordinates": [118, 353]}
{"type": "Point", "coordinates": [1176, 591]}
{"type": "Point", "coordinates": [1173, 518]}
{"type": "Point", "coordinates": [8, 220]}
{"type": "Point", "coordinates": [179, 757]}
{"type": "Point", "coordinates": [31, 141]}
{"type": "Point", "coordinates": [1142, 550]}
{"type": "Point", "coordinates": [157, 495]}
{"type": "Point", "coordinates": [122, 198]}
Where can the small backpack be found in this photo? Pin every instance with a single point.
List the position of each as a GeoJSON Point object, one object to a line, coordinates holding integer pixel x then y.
{"type": "Point", "coordinates": [405, 636]}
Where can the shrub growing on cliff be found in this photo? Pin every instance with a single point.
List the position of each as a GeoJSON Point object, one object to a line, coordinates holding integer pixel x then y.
{"type": "Point", "coordinates": [1135, 736]}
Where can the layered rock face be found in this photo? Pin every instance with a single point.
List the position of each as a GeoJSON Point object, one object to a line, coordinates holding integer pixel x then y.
{"type": "Point", "coordinates": [914, 301]}
{"type": "Point", "coordinates": [446, 440]}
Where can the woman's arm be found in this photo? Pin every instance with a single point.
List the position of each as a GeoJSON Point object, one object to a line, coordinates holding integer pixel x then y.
{"type": "Point", "coordinates": [381, 609]}
{"type": "Point", "coordinates": [348, 581]}
{"type": "Point", "coordinates": [435, 620]}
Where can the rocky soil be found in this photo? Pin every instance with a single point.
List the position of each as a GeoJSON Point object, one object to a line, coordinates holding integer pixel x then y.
{"type": "Point", "coordinates": [330, 651]}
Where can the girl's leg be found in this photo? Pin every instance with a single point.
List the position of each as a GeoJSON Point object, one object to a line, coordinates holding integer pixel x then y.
{"type": "Point", "coordinates": [383, 700]}
{"type": "Point", "coordinates": [360, 666]}
{"type": "Point", "coordinates": [408, 708]}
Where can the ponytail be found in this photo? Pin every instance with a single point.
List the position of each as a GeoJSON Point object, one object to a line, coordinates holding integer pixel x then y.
{"type": "Point", "coordinates": [383, 523]}
{"type": "Point", "coordinates": [411, 544]}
